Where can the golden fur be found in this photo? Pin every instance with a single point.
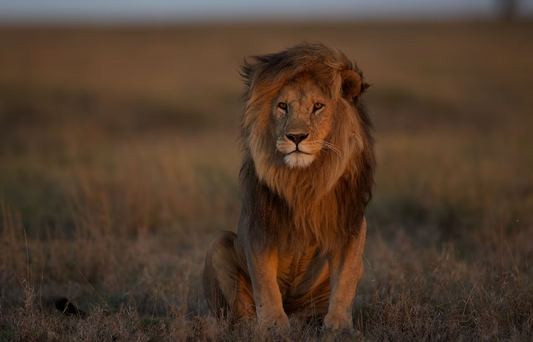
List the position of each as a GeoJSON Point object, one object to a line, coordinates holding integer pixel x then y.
{"type": "Point", "coordinates": [342, 176]}
{"type": "Point", "coordinates": [306, 179]}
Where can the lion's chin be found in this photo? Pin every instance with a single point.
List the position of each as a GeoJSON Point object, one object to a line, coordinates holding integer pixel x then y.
{"type": "Point", "coordinates": [298, 160]}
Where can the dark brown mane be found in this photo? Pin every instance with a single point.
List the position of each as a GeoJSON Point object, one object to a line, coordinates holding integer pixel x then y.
{"type": "Point", "coordinates": [323, 204]}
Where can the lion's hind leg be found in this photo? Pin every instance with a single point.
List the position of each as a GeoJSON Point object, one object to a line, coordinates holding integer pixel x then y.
{"type": "Point", "coordinates": [227, 285]}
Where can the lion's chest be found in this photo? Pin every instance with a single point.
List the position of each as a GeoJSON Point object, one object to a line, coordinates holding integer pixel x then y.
{"type": "Point", "coordinates": [299, 273]}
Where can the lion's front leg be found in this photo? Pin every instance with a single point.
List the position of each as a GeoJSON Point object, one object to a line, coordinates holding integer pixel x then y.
{"type": "Point", "coordinates": [346, 269]}
{"type": "Point", "coordinates": [262, 266]}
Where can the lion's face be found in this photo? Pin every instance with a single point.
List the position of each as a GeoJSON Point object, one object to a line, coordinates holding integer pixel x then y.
{"type": "Point", "coordinates": [301, 120]}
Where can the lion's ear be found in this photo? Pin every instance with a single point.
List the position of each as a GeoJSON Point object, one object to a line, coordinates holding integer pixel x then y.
{"type": "Point", "coordinates": [352, 84]}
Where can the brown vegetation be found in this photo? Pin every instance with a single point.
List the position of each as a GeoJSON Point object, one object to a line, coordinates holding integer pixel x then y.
{"type": "Point", "coordinates": [118, 161]}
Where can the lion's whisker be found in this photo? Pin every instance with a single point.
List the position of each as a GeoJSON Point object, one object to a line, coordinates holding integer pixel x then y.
{"type": "Point", "coordinates": [333, 147]}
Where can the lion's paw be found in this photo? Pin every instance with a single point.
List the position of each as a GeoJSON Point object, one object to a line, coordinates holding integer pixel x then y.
{"type": "Point", "coordinates": [275, 320]}
{"type": "Point", "coordinates": [338, 322]}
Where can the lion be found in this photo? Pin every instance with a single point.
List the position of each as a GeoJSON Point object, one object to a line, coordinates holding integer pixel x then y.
{"type": "Point", "coordinates": [306, 178]}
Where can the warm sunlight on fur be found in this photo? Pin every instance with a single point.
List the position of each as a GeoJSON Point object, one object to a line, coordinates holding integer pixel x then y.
{"type": "Point", "coordinates": [306, 178]}
{"type": "Point", "coordinates": [118, 161]}
{"type": "Point", "coordinates": [302, 116]}
{"type": "Point", "coordinates": [298, 159]}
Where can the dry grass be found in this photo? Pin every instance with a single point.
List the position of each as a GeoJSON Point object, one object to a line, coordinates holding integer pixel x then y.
{"type": "Point", "coordinates": [118, 162]}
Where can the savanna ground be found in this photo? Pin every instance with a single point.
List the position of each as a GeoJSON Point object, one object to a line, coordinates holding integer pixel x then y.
{"type": "Point", "coordinates": [118, 161]}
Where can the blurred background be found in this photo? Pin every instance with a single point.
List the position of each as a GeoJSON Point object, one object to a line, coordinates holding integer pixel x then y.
{"type": "Point", "coordinates": [118, 154]}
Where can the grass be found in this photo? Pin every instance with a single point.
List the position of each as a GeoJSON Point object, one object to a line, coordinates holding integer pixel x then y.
{"type": "Point", "coordinates": [118, 162]}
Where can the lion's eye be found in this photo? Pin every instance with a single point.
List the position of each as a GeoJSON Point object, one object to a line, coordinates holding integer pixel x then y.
{"type": "Point", "coordinates": [282, 105]}
{"type": "Point", "coordinates": [318, 105]}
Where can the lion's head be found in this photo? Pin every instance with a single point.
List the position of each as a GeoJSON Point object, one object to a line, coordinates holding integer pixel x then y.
{"type": "Point", "coordinates": [301, 119]}
{"type": "Point", "coordinates": [305, 131]}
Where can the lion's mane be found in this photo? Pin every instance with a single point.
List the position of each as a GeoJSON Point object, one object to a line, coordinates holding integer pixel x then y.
{"type": "Point", "coordinates": [322, 205]}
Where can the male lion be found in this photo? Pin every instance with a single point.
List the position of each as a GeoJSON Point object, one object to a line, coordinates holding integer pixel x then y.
{"type": "Point", "coordinates": [306, 179]}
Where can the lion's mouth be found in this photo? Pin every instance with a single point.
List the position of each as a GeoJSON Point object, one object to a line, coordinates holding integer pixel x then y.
{"type": "Point", "coordinates": [298, 151]}
{"type": "Point", "coordinates": [298, 159]}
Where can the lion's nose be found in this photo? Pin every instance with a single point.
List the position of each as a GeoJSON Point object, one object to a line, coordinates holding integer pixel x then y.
{"type": "Point", "coordinates": [297, 138]}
